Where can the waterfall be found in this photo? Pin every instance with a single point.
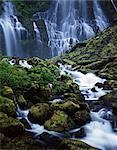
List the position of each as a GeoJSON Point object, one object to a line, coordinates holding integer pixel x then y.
{"type": "Point", "coordinates": [69, 22]}
{"type": "Point", "coordinates": [12, 30]}
{"type": "Point", "coordinates": [101, 20]}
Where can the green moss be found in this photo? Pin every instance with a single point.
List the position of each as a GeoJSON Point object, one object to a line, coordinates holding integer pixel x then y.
{"type": "Point", "coordinates": [10, 126]}
{"type": "Point", "coordinates": [60, 121]}
{"type": "Point", "coordinates": [18, 78]}
{"type": "Point", "coordinates": [7, 106]}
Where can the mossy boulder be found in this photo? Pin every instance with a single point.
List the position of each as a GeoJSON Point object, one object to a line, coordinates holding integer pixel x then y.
{"type": "Point", "coordinates": [75, 145]}
{"type": "Point", "coordinates": [108, 99]}
{"type": "Point", "coordinates": [39, 113]}
{"type": "Point", "coordinates": [21, 102]}
{"type": "Point", "coordinates": [7, 106]}
{"type": "Point", "coordinates": [59, 121]}
{"type": "Point", "coordinates": [9, 126]}
{"type": "Point", "coordinates": [67, 106]}
{"type": "Point", "coordinates": [82, 117]}
{"type": "Point", "coordinates": [7, 92]}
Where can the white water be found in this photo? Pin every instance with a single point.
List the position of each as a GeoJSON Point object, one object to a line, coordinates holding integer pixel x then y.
{"type": "Point", "coordinates": [12, 29]}
{"type": "Point", "coordinates": [69, 22]}
{"type": "Point", "coordinates": [86, 82]}
{"type": "Point", "coordinates": [101, 19]}
{"type": "Point", "coordinates": [35, 128]}
{"type": "Point", "coordinates": [99, 132]}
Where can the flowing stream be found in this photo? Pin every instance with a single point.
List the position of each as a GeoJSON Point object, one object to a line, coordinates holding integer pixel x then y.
{"type": "Point", "coordinates": [99, 133]}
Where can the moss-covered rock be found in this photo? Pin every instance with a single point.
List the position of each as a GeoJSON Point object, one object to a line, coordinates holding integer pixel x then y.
{"type": "Point", "coordinates": [7, 106]}
{"type": "Point", "coordinates": [21, 102]}
{"type": "Point", "coordinates": [7, 92]}
{"type": "Point", "coordinates": [108, 99]}
{"type": "Point", "coordinates": [67, 106]}
{"type": "Point", "coordinates": [60, 121]}
{"type": "Point", "coordinates": [10, 127]}
{"type": "Point", "coordinates": [39, 113]}
{"type": "Point", "coordinates": [82, 117]}
{"type": "Point", "coordinates": [75, 145]}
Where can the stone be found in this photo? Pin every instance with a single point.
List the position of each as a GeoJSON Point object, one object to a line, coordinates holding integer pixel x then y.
{"type": "Point", "coordinates": [59, 121]}
{"type": "Point", "coordinates": [21, 102]}
{"type": "Point", "coordinates": [67, 106]}
{"type": "Point", "coordinates": [10, 127]}
{"type": "Point", "coordinates": [70, 144]}
{"type": "Point", "coordinates": [7, 106]}
{"type": "Point", "coordinates": [39, 113]}
{"type": "Point", "coordinates": [7, 92]}
{"type": "Point", "coordinates": [108, 99]}
{"type": "Point", "coordinates": [82, 117]}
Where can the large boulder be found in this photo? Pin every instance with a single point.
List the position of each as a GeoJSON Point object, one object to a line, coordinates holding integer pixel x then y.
{"type": "Point", "coordinates": [108, 99]}
{"type": "Point", "coordinates": [82, 117]}
{"type": "Point", "coordinates": [67, 106]}
{"type": "Point", "coordinates": [7, 106]}
{"type": "Point", "coordinates": [7, 92]}
{"type": "Point", "coordinates": [60, 121]}
{"type": "Point", "coordinates": [39, 113]}
{"type": "Point", "coordinates": [9, 126]}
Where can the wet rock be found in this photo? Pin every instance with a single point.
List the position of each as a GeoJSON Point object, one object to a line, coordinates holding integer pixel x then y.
{"type": "Point", "coordinates": [7, 106]}
{"type": "Point", "coordinates": [7, 92]}
{"type": "Point", "coordinates": [82, 117]}
{"type": "Point", "coordinates": [21, 102]}
{"type": "Point", "coordinates": [10, 127]}
{"type": "Point", "coordinates": [80, 133]}
{"type": "Point", "coordinates": [39, 113]}
{"type": "Point", "coordinates": [75, 145]}
{"type": "Point", "coordinates": [67, 106]}
{"type": "Point", "coordinates": [49, 139]}
{"type": "Point", "coordinates": [108, 99]}
{"type": "Point", "coordinates": [25, 123]}
{"type": "Point", "coordinates": [114, 108]}
{"type": "Point", "coordinates": [60, 121]}
{"type": "Point", "coordinates": [78, 96]}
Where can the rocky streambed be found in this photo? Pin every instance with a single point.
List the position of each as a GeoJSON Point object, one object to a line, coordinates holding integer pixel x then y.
{"type": "Point", "coordinates": [46, 105]}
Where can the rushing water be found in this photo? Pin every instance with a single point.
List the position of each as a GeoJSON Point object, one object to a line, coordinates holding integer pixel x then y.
{"type": "Point", "coordinates": [12, 30]}
{"type": "Point", "coordinates": [71, 21]}
{"type": "Point", "coordinates": [99, 132]}
{"type": "Point", "coordinates": [67, 22]}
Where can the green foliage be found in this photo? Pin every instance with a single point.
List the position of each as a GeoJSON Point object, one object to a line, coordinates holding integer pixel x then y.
{"type": "Point", "coordinates": [13, 76]}
{"type": "Point", "coordinates": [26, 8]}
{"type": "Point", "coordinates": [18, 78]}
{"type": "Point", "coordinates": [42, 75]}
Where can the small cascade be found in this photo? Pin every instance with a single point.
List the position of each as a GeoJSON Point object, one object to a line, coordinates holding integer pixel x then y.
{"type": "Point", "coordinates": [87, 82]}
{"type": "Point", "coordinates": [69, 22]}
{"type": "Point", "coordinates": [99, 132]}
{"type": "Point", "coordinates": [37, 32]}
{"type": "Point", "coordinates": [12, 30]}
{"type": "Point", "coordinates": [35, 128]}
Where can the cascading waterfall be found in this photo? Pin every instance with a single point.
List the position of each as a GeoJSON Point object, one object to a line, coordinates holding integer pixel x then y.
{"type": "Point", "coordinates": [69, 22]}
{"type": "Point", "coordinates": [12, 30]}
{"type": "Point", "coordinates": [101, 20]}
